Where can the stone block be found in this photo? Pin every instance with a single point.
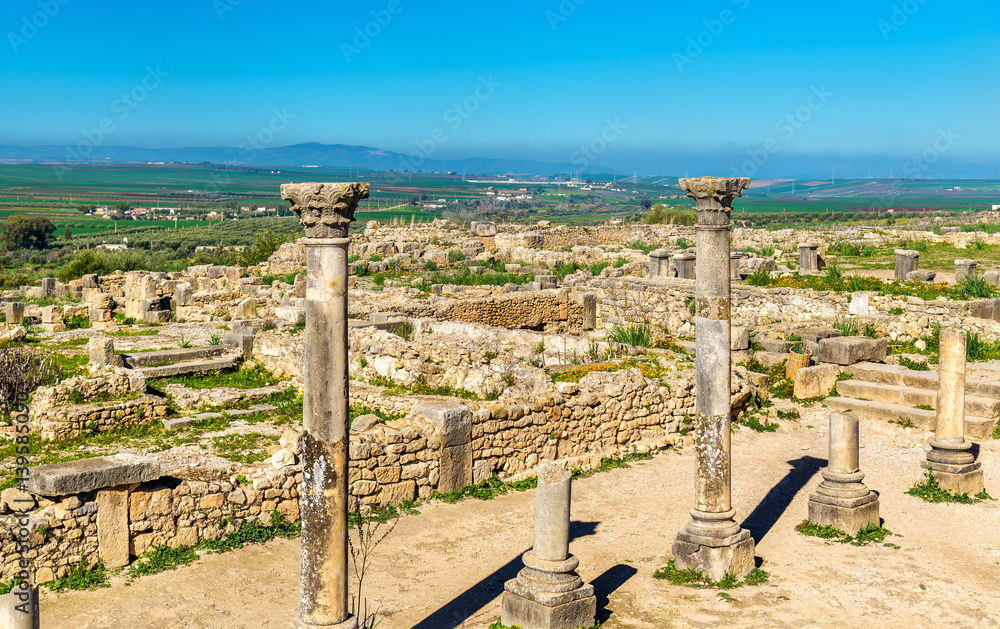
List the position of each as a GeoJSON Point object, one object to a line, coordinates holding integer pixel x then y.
{"type": "Point", "coordinates": [112, 526]}
{"type": "Point", "coordinates": [859, 304]}
{"type": "Point", "coordinates": [49, 286]}
{"type": "Point", "coordinates": [183, 293]}
{"type": "Point", "coordinates": [960, 483]}
{"type": "Point", "coordinates": [521, 611]}
{"type": "Point", "coordinates": [484, 229]}
{"type": "Point", "coordinates": [14, 312]}
{"type": "Point", "coordinates": [815, 381]}
{"type": "Point", "coordinates": [963, 269]}
{"type": "Point", "coordinates": [19, 608]}
{"type": "Point", "coordinates": [452, 423]}
{"type": "Point", "coordinates": [76, 477]}
{"type": "Point", "coordinates": [849, 350]}
{"type": "Point", "coordinates": [716, 562]}
{"type": "Point", "coordinates": [848, 519]}
{"type": "Point", "coordinates": [739, 339]}
{"type": "Point", "coordinates": [102, 352]}
{"type": "Point", "coordinates": [157, 316]}
{"type": "Point", "coordinates": [399, 492]}
{"type": "Point", "coordinates": [921, 276]}
{"type": "Point", "coordinates": [455, 471]}
{"type": "Point", "coordinates": [993, 277]}
{"type": "Point", "coordinates": [365, 422]}
{"type": "Point", "coordinates": [216, 271]}
{"type": "Point", "coordinates": [246, 309]}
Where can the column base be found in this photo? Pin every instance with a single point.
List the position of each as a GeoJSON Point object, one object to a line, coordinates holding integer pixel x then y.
{"type": "Point", "coordinates": [968, 481]}
{"type": "Point", "coordinates": [849, 516]}
{"type": "Point", "coordinates": [716, 558]}
{"type": "Point", "coordinates": [520, 608]}
{"type": "Point", "coordinates": [350, 623]}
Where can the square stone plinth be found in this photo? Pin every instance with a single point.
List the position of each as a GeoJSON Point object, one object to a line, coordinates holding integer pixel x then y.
{"type": "Point", "coordinates": [966, 483]}
{"type": "Point", "coordinates": [848, 519]}
{"type": "Point", "coordinates": [528, 614]}
{"type": "Point", "coordinates": [715, 563]}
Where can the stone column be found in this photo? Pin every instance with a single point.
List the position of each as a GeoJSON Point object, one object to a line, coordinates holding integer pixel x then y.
{"type": "Point", "coordinates": [19, 608]}
{"type": "Point", "coordinates": [734, 266]}
{"type": "Point", "coordinates": [906, 261]}
{"type": "Point", "coordinates": [842, 500]}
{"type": "Point", "coordinates": [49, 286]}
{"type": "Point", "coordinates": [325, 210]}
{"type": "Point", "coordinates": [712, 541]}
{"type": "Point", "coordinates": [950, 460]}
{"type": "Point", "coordinates": [548, 593]}
{"type": "Point", "coordinates": [964, 268]}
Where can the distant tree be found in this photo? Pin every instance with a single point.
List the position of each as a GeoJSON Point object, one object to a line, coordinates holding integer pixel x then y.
{"type": "Point", "coordinates": [423, 197]}
{"type": "Point", "coordinates": [122, 207]}
{"type": "Point", "coordinates": [67, 233]}
{"type": "Point", "coordinates": [646, 204]}
{"type": "Point", "coordinates": [85, 209]}
{"type": "Point", "coordinates": [414, 200]}
{"type": "Point", "coordinates": [21, 232]}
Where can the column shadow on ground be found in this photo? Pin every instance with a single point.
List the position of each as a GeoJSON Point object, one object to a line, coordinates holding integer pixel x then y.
{"type": "Point", "coordinates": [463, 607]}
{"type": "Point", "coordinates": [612, 579]}
{"type": "Point", "coordinates": [763, 518]}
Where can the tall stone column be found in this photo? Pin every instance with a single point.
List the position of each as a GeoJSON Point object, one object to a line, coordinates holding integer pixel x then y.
{"type": "Point", "coordinates": [950, 460]}
{"type": "Point", "coordinates": [842, 500]}
{"type": "Point", "coordinates": [325, 210]}
{"type": "Point", "coordinates": [712, 541]}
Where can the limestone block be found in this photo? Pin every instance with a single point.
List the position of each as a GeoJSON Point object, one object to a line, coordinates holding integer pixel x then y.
{"type": "Point", "coordinates": [815, 381]}
{"type": "Point", "coordinates": [740, 338]}
{"type": "Point", "coordinates": [291, 314]}
{"type": "Point", "coordinates": [49, 286]}
{"type": "Point", "coordinates": [455, 471]}
{"type": "Point", "coordinates": [282, 458]}
{"type": "Point", "coordinates": [452, 422]}
{"type": "Point", "coordinates": [859, 304]}
{"type": "Point", "coordinates": [183, 293]}
{"type": "Point", "coordinates": [849, 350]}
{"type": "Point", "coordinates": [19, 608]}
{"type": "Point", "coordinates": [16, 334]}
{"type": "Point", "coordinates": [14, 312]}
{"type": "Point", "coordinates": [847, 519]}
{"type": "Point", "coordinates": [993, 277]}
{"type": "Point", "coordinates": [484, 229]}
{"type": "Point", "coordinates": [397, 493]}
{"type": "Point", "coordinates": [520, 611]}
{"type": "Point", "coordinates": [736, 559]}
{"type": "Point", "coordinates": [102, 352]}
{"type": "Point", "coordinates": [112, 526]}
{"type": "Point", "coordinates": [365, 422]}
{"type": "Point", "coordinates": [246, 309]}
{"type": "Point", "coordinates": [76, 477]}
{"type": "Point", "coordinates": [921, 276]}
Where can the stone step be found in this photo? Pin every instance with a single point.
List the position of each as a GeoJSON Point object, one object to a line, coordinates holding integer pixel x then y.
{"type": "Point", "coordinates": [180, 369]}
{"type": "Point", "coordinates": [909, 396]}
{"type": "Point", "coordinates": [176, 423]}
{"type": "Point", "coordinates": [142, 359]}
{"type": "Point", "coordinates": [988, 387]}
{"type": "Point", "coordinates": [976, 428]}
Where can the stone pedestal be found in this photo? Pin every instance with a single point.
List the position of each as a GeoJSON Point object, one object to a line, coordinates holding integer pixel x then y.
{"type": "Point", "coordinates": [52, 319]}
{"type": "Point", "coordinates": [963, 269]}
{"type": "Point", "coordinates": [712, 542]}
{"type": "Point", "coordinates": [951, 460]}
{"type": "Point", "coordinates": [49, 287]}
{"type": "Point", "coordinates": [794, 363]}
{"type": "Point", "coordinates": [734, 266]}
{"type": "Point", "coordinates": [659, 263]}
{"type": "Point", "coordinates": [325, 210]}
{"type": "Point", "coordinates": [14, 312]}
{"type": "Point", "coordinates": [906, 262]}
{"type": "Point", "coordinates": [842, 500]}
{"type": "Point", "coordinates": [685, 265]}
{"type": "Point", "coordinates": [548, 593]}
{"type": "Point", "coordinates": [808, 257]}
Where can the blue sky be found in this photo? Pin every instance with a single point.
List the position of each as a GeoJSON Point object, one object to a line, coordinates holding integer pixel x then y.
{"type": "Point", "coordinates": [655, 86]}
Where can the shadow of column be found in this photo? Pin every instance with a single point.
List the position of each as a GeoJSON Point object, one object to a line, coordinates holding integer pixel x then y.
{"type": "Point", "coordinates": [774, 504]}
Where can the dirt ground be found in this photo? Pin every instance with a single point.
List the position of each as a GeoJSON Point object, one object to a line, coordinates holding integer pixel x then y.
{"type": "Point", "coordinates": [445, 567]}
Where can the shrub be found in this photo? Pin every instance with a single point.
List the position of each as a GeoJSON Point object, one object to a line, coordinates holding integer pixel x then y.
{"type": "Point", "coordinates": [974, 287]}
{"type": "Point", "coordinates": [638, 334]}
{"type": "Point", "coordinates": [264, 246]}
{"type": "Point", "coordinates": [662, 215]}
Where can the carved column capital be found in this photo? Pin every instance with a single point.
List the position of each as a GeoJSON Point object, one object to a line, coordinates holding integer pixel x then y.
{"type": "Point", "coordinates": [325, 209]}
{"type": "Point", "coordinates": [714, 195]}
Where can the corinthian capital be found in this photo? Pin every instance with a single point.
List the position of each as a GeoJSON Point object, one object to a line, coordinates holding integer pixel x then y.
{"type": "Point", "coordinates": [715, 194]}
{"type": "Point", "coordinates": [325, 209]}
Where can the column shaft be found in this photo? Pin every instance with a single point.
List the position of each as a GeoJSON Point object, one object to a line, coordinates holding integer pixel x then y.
{"type": "Point", "coordinates": [951, 387]}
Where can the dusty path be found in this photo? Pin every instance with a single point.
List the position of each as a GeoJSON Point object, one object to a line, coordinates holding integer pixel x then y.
{"type": "Point", "coordinates": [445, 568]}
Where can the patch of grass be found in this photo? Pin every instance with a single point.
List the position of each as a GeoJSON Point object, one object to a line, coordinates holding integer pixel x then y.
{"type": "Point", "coordinates": [246, 377]}
{"type": "Point", "coordinates": [649, 369]}
{"type": "Point", "coordinates": [896, 312]}
{"type": "Point", "coordinates": [254, 533]}
{"type": "Point", "coordinates": [788, 414]}
{"type": "Point", "coordinates": [405, 331]}
{"type": "Point", "coordinates": [161, 559]}
{"type": "Point", "coordinates": [695, 579]}
{"type": "Point", "coordinates": [928, 490]}
{"type": "Point", "coordinates": [486, 490]}
{"type": "Point", "coordinates": [357, 410]}
{"type": "Point", "coordinates": [421, 387]}
{"type": "Point", "coordinates": [913, 365]}
{"type": "Point", "coordinates": [872, 533]}
{"type": "Point", "coordinates": [243, 447]}
{"type": "Point", "coordinates": [925, 407]}
{"type": "Point", "coordinates": [978, 350]}
{"type": "Point", "coordinates": [130, 333]}
{"type": "Point", "coordinates": [974, 287]}
{"type": "Point", "coordinates": [82, 577]}
{"type": "Point", "coordinates": [635, 334]}
{"type": "Point", "coordinates": [608, 464]}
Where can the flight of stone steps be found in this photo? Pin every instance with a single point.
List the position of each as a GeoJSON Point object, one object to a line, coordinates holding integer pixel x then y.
{"type": "Point", "coordinates": [895, 393]}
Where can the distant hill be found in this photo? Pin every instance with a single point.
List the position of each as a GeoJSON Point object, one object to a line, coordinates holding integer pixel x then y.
{"type": "Point", "coordinates": [310, 154]}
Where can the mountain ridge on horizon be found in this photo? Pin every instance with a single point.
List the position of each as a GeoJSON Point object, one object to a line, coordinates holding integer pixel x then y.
{"type": "Point", "coordinates": [305, 154]}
